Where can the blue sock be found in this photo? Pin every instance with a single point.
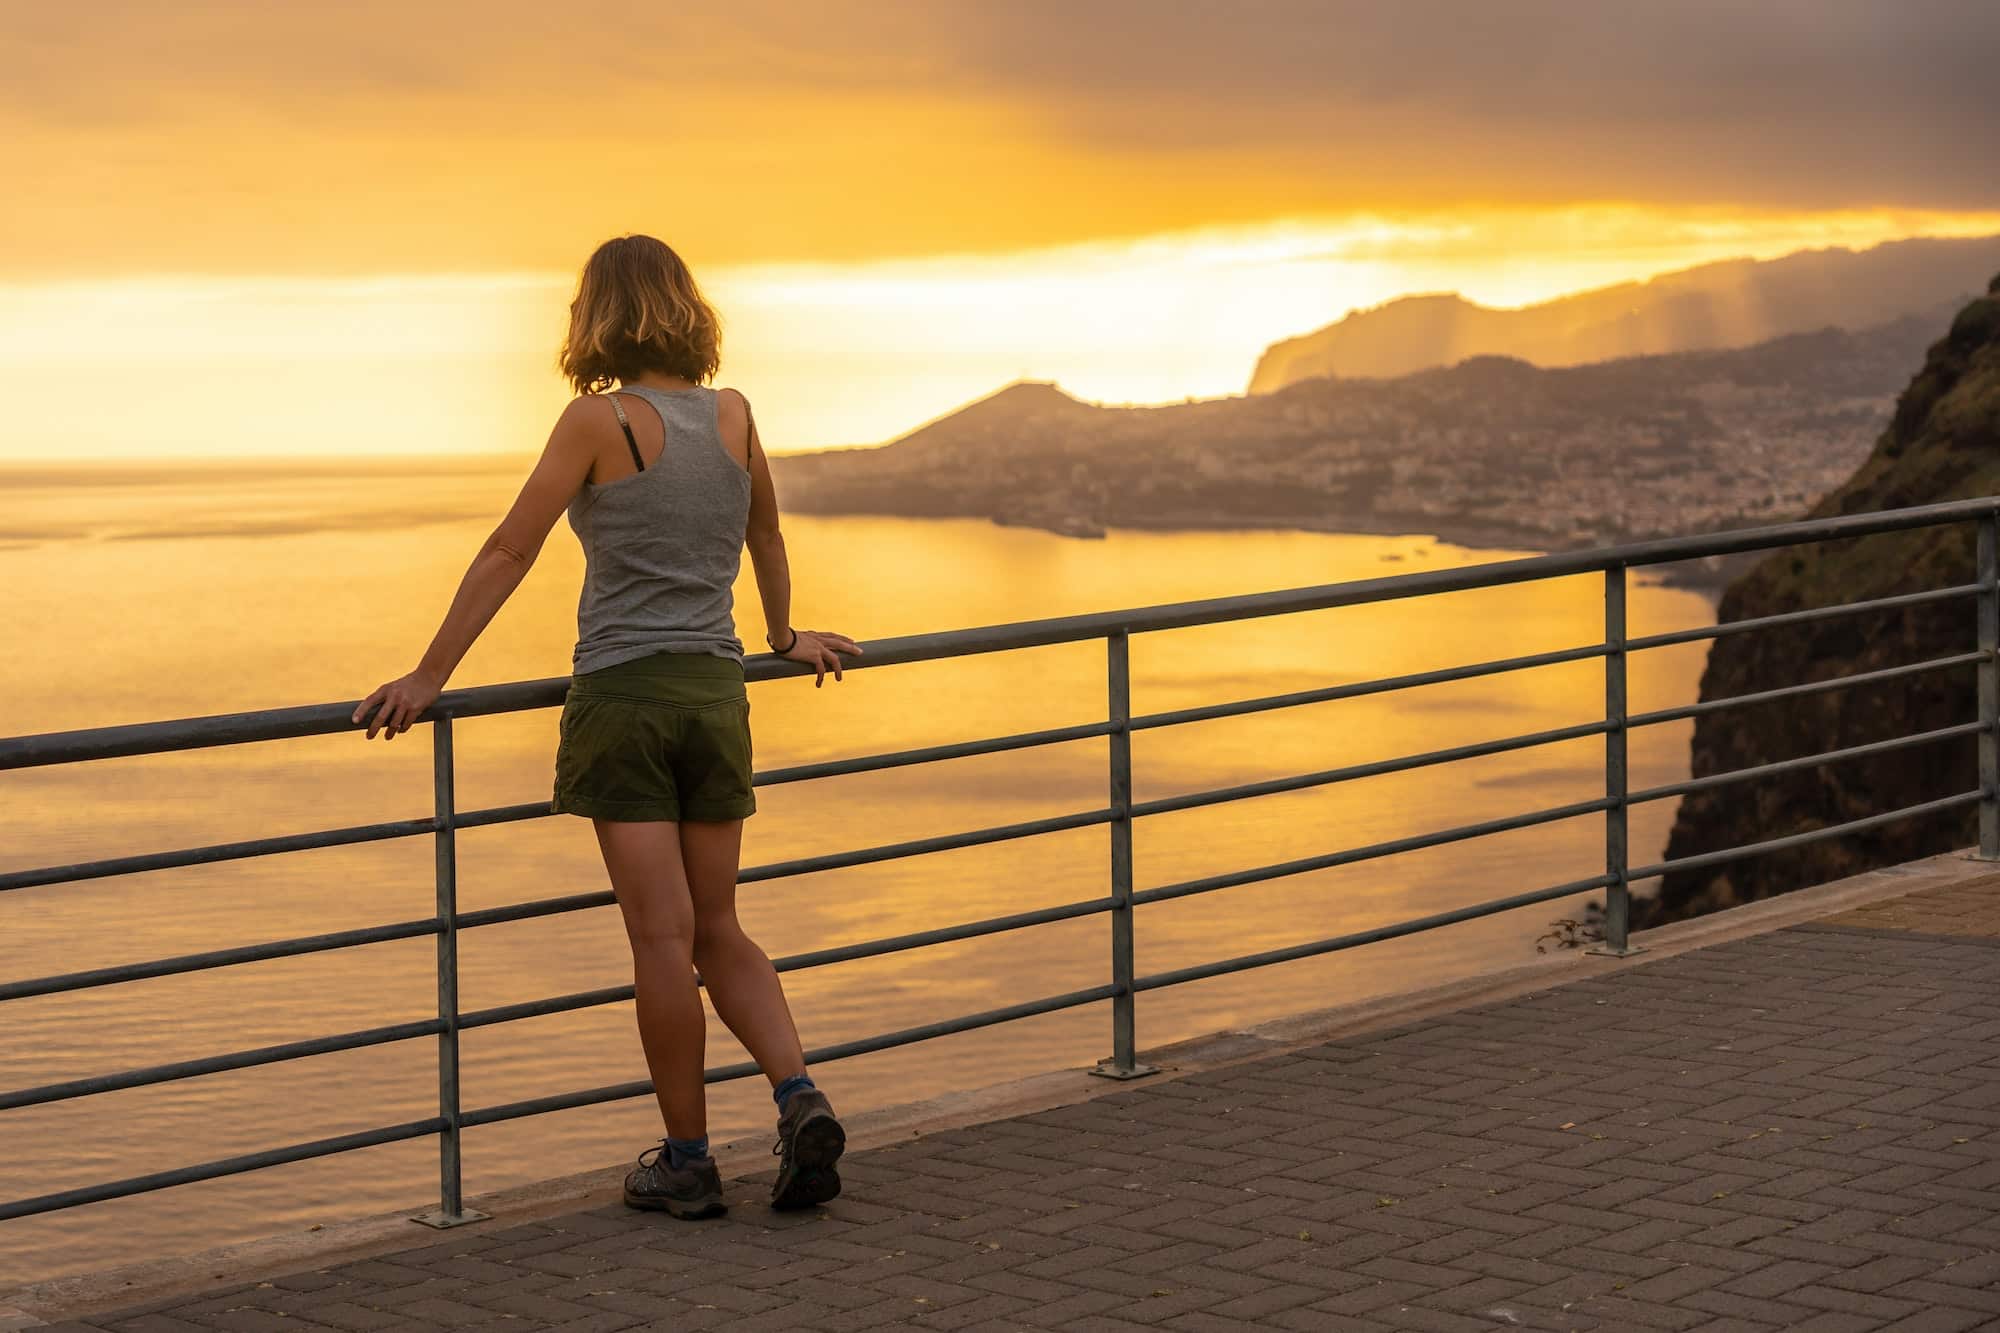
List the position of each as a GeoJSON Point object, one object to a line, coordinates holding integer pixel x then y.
{"type": "Point", "coordinates": [680, 1152]}
{"type": "Point", "coordinates": [796, 1083]}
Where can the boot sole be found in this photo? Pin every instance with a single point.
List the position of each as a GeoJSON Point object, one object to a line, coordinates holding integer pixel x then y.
{"type": "Point", "coordinates": [687, 1209]}
{"type": "Point", "coordinates": [812, 1179]}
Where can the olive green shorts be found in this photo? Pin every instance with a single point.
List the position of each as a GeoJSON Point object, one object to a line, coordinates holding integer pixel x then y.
{"type": "Point", "coordinates": [665, 736]}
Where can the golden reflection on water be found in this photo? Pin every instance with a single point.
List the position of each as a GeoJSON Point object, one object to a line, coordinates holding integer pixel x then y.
{"type": "Point", "coordinates": [308, 588]}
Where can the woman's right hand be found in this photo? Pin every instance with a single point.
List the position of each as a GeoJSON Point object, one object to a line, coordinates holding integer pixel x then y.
{"type": "Point", "coordinates": [820, 649]}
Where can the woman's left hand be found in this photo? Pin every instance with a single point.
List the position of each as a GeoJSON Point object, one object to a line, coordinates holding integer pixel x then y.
{"type": "Point", "coordinates": [397, 704]}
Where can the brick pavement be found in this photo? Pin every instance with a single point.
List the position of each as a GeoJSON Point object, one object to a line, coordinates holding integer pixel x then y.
{"type": "Point", "coordinates": [1799, 1130]}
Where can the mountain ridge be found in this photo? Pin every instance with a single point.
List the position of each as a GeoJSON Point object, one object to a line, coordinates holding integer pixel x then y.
{"type": "Point", "coordinates": [1491, 452]}
{"type": "Point", "coordinates": [1729, 303]}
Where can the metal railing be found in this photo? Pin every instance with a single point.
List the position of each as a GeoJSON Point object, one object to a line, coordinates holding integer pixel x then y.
{"type": "Point", "coordinates": [1116, 629]}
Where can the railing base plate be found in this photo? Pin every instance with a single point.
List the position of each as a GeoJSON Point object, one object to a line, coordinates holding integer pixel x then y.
{"type": "Point", "coordinates": [1975, 856]}
{"type": "Point", "coordinates": [1110, 1069]}
{"type": "Point", "coordinates": [440, 1220]}
{"type": "Point", "coordinates": [1606, 951]}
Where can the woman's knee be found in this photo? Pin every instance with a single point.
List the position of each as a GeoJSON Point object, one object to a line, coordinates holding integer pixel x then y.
{"type": "Point", "coordinates": [660, 933]}
{"type": "Point", "coordinates": [717, 938]}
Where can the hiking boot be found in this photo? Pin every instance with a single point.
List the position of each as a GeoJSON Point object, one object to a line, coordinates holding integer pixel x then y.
{"type": "Point", "coordinates": [810, 1141]}
{"type": "Point", "coordinates": [694, 1190]}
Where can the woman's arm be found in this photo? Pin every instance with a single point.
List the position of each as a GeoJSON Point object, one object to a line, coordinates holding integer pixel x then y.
{"type": "Point", "coordinates": [764, 540]}
{"type": "Point", "coordinates": [819, 649]}
{"type": "Point", "coordinates": [498, 567]}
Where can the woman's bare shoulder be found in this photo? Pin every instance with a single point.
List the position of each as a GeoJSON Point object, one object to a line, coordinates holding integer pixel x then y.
{"type": "Point", "coordinates": [586, 408]}
{"type": "Point", "coordinates": [588, 419]}
{"type": "Point", "coordinates": [733, 415]}
{"type": "Point", "coordinates": [583, 427]}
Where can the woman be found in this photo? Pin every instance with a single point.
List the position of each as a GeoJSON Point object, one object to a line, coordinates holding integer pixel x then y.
{"type": "Point", "coordinates": [665, 482]}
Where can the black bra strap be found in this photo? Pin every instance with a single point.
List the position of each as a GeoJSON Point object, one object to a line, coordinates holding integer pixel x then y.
{"type": "Point", "coordinates": [626, 426]}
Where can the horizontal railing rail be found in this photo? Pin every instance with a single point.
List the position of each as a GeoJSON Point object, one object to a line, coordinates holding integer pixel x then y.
{"type": "Point", "coordinates": [1119, 814]}
{"type": "Point", "coordinates": [517, 696]}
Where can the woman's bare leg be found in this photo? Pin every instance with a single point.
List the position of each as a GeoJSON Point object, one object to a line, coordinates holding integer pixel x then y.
{"type": "Point", "coordinates": [644, 863]}
{"type": "Point", "coordinates": [741, 982]}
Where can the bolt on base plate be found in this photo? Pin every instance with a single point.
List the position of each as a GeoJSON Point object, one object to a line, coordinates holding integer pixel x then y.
{"type": "Point", "coordinates": [440, 1220]}
{"type": "Point", "coordinates": [1110, 1069]}
{"type": "Point", "coordinates": [1603, 950]}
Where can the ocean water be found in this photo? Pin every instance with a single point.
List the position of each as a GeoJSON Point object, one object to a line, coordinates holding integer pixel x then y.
{"type": "Point", "coordinates": [138, 592]}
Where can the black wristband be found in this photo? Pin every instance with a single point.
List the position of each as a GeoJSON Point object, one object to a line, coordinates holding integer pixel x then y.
{"type": "Point", "coordinates": [788, 647]}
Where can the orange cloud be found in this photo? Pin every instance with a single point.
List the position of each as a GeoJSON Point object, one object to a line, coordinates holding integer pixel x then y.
{"type": "Point", "coordinates": [360, 137]}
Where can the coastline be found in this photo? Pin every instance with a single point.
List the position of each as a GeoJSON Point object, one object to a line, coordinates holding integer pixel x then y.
{"type": "Point", "coordinates": [1707, 577]}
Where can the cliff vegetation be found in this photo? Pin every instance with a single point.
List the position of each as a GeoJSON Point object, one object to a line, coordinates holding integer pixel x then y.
{"type": "Point", "coordinates": [1942, 443]}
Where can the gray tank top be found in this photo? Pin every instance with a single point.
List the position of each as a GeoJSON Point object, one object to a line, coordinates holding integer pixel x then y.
{"type": "Point", "coordinates": [662, 546]}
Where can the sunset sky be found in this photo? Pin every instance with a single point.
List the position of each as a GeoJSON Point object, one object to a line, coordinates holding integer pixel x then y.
{"type": "Point", "coordinates": [359, 223]}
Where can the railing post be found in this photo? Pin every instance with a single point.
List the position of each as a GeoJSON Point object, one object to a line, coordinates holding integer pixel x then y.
{"type": "Point", "coordinates": [1617, 854]}
{"type": "Point", "coordinates": [451, 1210]}
{"type": "Point", "coordinates": [1123, 1062]}
{"type": "Point", "coordinates": [1989, 688]}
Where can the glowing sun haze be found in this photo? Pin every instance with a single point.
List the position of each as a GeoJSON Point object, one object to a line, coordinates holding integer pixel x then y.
{"type": "Point", "coordinates": [359, 224]}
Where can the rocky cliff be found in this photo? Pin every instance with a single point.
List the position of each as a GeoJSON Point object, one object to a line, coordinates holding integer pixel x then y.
{"type": "Point", "coordinates": [1942, 444]}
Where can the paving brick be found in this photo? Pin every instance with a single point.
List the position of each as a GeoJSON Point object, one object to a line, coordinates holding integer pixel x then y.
{"type": "Point", "coordinates": [1830, 1322]}
{"type": "Point", "coordinates": [1774, 1280]}
{"type": "Point", "coordinates": [1938, 1319]}
{"type": "Point", "coordinates": [356, 1318]}
{"type": "Point", "coordinates": [145, 1323]}
{"type": "Point", "coordinates": [1881, 1308]}
{"type": "Point", "coordinates": [1622, 1312]}
{"type": "Point", "coordinates": [1926, 1293]}
{"type": "Point", "coordinates": [1983, 1271]}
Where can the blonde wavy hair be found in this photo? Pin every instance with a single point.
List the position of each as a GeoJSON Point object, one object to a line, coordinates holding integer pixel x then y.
{"type": "Point", "coordinates": [636, 309]}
